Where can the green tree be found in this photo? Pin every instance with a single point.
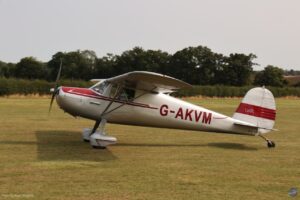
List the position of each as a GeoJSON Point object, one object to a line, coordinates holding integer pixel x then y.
{"type": "Point", "coordinates": [236, 70]}
{"type": "Point", "coordinates": [30, 68]}
{"type": "Point", "coordinates": [270, 76]}
{"type": "Point", "coordinates": [139, 59]}
{"type": "Point", "coordinates": [7, 70]}
{"type": "Point", "coordinates": [76, 65]}
{"type": "Point", "coordinates": [195, 65]}
{"type": "Point", "coordinates": [105, 67]}
{"type": "Point", "coordinates": [2, 68]}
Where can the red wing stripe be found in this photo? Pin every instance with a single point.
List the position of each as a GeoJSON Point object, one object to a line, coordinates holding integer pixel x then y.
{"type": "Point", "coordinates": [256, 111]}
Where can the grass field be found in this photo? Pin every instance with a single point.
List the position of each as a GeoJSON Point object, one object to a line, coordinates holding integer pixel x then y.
{"type": "Point", "coordinates": [44, 158]}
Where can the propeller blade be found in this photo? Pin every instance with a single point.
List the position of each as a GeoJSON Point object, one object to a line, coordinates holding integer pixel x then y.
{"type": "Point", "coordinates": [51, 102]}
{"type": "Point", "coordinates": [55, 91]}
{"type": "Point", "coordinates": [58, 74]}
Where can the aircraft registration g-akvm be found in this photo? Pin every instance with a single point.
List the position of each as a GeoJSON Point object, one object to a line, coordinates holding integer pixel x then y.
{"type": "Point", "coordinates": [143, 98]}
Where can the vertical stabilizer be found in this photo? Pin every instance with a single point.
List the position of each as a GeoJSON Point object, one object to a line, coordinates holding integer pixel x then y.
{"type": "Point", "coordinates": [258, 108]}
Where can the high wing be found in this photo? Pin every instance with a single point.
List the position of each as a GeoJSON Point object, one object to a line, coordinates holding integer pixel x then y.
{"type": "Point", "coordinates": [149, 81]}
{"type": "Point", "coordinates": [97, 80]}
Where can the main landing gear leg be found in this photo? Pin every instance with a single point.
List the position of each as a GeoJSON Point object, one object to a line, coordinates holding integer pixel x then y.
{"type": "Point", "coordinates": [97, 138]}
{"type": "Point", "coordinates": [270, 143]}
{"type": "Point", "coordinates": [87, 132]}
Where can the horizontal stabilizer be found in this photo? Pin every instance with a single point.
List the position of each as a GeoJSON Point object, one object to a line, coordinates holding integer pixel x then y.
{"type": "Point", "coordinates": [253, 126]}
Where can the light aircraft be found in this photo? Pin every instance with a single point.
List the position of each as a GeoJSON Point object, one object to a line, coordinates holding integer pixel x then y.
{"type": "Point", "coordinates": [143, 98]}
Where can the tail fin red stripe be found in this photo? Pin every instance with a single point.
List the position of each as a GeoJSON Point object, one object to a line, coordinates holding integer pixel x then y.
{"type": "Point", "coordinates": [256, 111]}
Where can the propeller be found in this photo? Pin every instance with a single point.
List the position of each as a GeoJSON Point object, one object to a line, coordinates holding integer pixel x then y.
{"type": "Point", "coordinates": [55, 89]}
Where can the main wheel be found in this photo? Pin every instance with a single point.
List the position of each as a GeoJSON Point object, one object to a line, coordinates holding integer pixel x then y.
{"type": "Point", "coordinates": [271, 144]}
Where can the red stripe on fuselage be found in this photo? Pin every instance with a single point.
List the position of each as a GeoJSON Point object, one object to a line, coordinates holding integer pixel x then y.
{"type": "Point", "coordinates": [256, 111]}
{"type": "Point", "coordinates": [90, 93]}
{"type": "Point", "coordinates": [79, 90]}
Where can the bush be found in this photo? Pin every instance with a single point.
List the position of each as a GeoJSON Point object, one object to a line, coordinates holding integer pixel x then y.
{"type": "Point", "coordinates": [231, 91]}
{"type": "Point", "coordinates": [40, 87]}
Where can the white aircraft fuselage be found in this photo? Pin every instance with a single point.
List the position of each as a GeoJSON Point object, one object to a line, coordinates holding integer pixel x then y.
{"type": "Point", "coordinates": [150, 109]}
{"type": "Point", "coordinates": [143, 99]}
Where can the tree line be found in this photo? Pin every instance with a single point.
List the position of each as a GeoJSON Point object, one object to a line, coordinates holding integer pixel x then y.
{"type": "Point", "coordinates": [195, 65]}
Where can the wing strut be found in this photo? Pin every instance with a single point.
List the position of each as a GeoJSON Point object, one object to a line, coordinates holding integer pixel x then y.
{"type": "Point", "coordinates": [99, 139]}
{"type": "Point", "coordinates": [119, 89]}
{"type": "Point", "coordinates": [125, 102]}
{"type": "Point", "coordinates": [106, 112]}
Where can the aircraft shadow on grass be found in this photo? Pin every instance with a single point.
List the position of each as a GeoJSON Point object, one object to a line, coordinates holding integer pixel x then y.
{"type": "Point", "coordinates": [68, 146]}
{"type": "Point", "coordinates": [55, 144]}
{"type": "Point", "coordinates": [234, 146]}
{"type": "Point", "coordinates": [223, 145]}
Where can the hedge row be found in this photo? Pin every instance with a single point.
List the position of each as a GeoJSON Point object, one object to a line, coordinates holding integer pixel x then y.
{"type": "Point", "coordinates": [41, 87]}
{"type": "Point", "coordinates": [231, 91]}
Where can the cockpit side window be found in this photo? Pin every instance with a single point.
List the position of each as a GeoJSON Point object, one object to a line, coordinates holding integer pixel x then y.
{"type": "Point", "coordinates": [113, 90]}
{"type": "Point", "coordinates": [125, 94]}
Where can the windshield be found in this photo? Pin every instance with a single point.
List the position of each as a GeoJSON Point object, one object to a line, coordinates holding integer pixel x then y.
{"type": "Point", "coordinates": [100, 87]}
{"type": "Point", "coordinates": [125, 94]}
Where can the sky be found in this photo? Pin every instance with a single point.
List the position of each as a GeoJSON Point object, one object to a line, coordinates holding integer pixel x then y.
{"type": "Point", "coordinates": [269, 29]}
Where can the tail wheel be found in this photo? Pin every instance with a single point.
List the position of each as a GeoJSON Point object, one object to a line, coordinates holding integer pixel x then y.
{"type": "Point", "coordinates": [271, 144]}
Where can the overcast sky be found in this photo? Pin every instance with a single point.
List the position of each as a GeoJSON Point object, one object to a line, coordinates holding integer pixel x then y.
{"type": "Point", "coordinates": [40, 28]}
